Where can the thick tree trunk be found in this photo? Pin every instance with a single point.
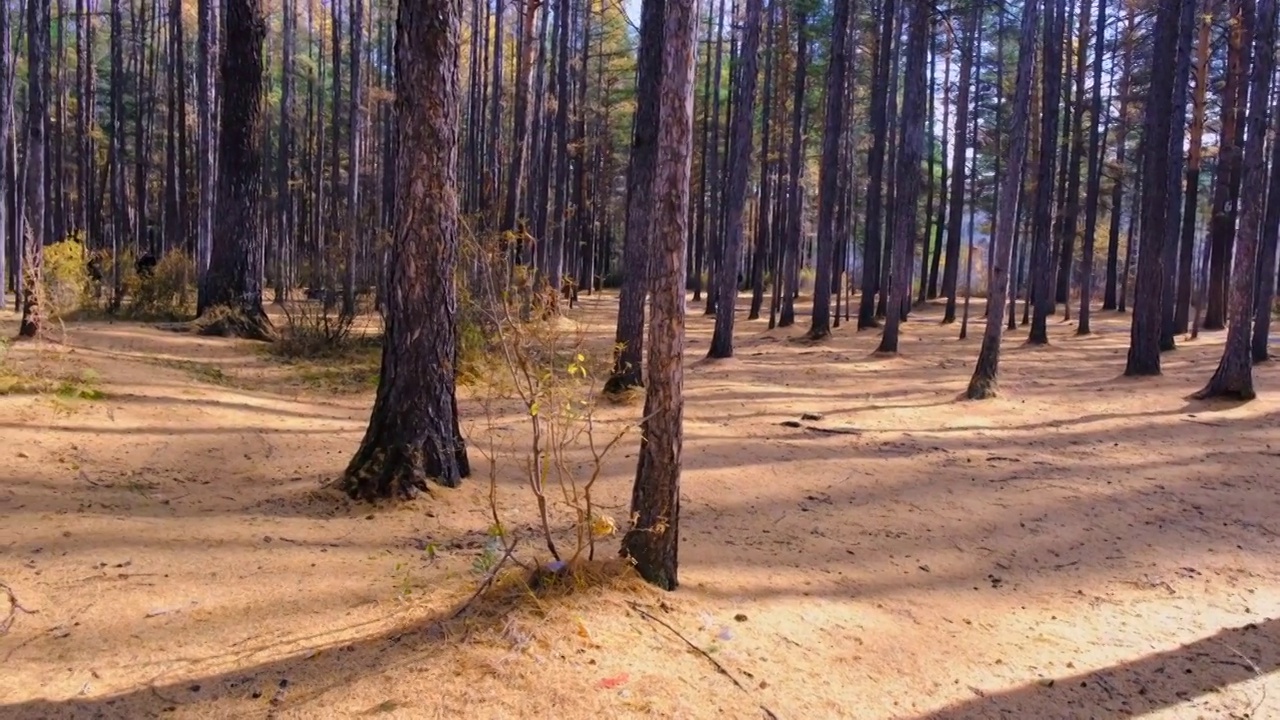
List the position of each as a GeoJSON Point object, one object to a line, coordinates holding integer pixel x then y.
{"type": "Point", "coordinates": [235, 270]}
{"type": "Point", "coordinates": [744, 97]}
{"type": "Point", "coordinates": [641, 171]}
{"type": "Point", "coordinates": [1234, 376]}
{"type": "Point", "coordinates": [1144, 338]}
{"type": "Point", "coordinates": [985, 374]}
{"type": "Point", "coordinates": [653, 540]}
{"type": "Point", "coordinates": [910, 154]}
{"type": "Point", "coordinates": [413, 432]}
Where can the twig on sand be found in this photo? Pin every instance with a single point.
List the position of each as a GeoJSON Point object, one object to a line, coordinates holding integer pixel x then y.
{"type": "Point", "coordinates": [484, 585]}
{"type": "Point", "coordinates": [716, 663]}
{"type": "Point", "coordinates": [14, 608]}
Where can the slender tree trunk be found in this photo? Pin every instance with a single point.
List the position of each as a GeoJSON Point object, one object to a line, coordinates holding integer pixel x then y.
{"type": "Point", "coordinates": [641, 174]}
{"type": "Point", "coordinates": [795, 219]}
{"type": "Point", "coordinates": [1071, 209]}
{"type": "Point", "coordinates": [1042, 241]}
{"type": "Point", "coordinates": [985, 374]}
{"type": "Point", "coordinates": [873, 226]}
{"type": "Point", "coordinates": [910, 154]}
{"type": "Point", "coordinates": [959, 150]}
{"type": "Point", "coordinates": [828, 175]}
{"type": "Point", "coordinates": [1222, 224]}
{"type": "Point", "coordinates": [1267, 253]}
{"type": "Point", "coordinates": [764, 216]}
{"type": "Point", "coordinates": [354, 132]}
{"type": "Point", "coordinates": [654, 538]}
{"type": "Point", "coordinates": [1096, 133]}
{"type": "Point", "coordinates": [1110, 301]}
{"type": "Point", "coordinates": [1182, 312]}
{"type": "Point", "coordinates": [34, 205]}
{"type": "Point", "coordinates": [744, 97]}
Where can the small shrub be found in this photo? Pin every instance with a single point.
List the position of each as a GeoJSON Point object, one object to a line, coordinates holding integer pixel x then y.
{"type": "Point", "coordinates": [66, 278]}
{"type": "Point", "coordinates": [311, 331]}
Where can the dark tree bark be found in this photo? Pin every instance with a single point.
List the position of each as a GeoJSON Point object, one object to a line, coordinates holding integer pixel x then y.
{"type": "Point", "coordinates": [516, 179]}
{"type": "Point", "coordinates": [34, 205]}
{"type": "Point", "coordinates": [873, 225]}
{"type": "Point", "coordinates": [629, 339]}
{"type": "Point", "coordinates": [1110, 301]}
{"type": "Point", "coordinates": [1177, 136]}
{"type": "Point", "coordinates": [764, 214]}
{"type": "Point", "coordinates": [1226, 192]}
{"type": "Point", "coordinates": [1069, 222]}
{"type": "Point", "coordinates": [1182, 312]}
{"type": "Point", "coordinates": [234, 282]}
{"type": "Point", "coordinates": [115, 155]}
{"type": "Point", "coordinates": [354, 147]}
{"type": "Point", "coordinates": [1096, 133]}
{"type": "Point", "coordinates": [413, 432]}
{"type": "Point", "coordinates": [653, 540]}
{"type": "Point", "coordinates": [1144, 338]}
{"type": "Point", "coordinates": [1042, 241]}
{"type": "Point", "coordinates": [789, 280]}
{"type": "Point", "coordinates": [1267, 254]}
{"type": "Point", "coordinates": [1234, 376]}
{"type": "Point", "coordinates": [828, 174]}
{"type": "Point", "coordinates": [951, 266]}
{"type": "Point", "coordinates": [284, 200]}
{"type": "Point", "coordinates": [6, 114]}
{"type": "Point", "coordinates": [744, 97]}
{"type": "Point", "coordinates": [985, 375]}
{"type": "Point", "coordinates": [910, 155]}
{"type": "Point", "coordinates": [207, 119]}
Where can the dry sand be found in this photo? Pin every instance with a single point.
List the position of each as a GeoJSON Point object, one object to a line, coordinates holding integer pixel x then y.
{"type": "Point", "coordinates": [1087, 546]}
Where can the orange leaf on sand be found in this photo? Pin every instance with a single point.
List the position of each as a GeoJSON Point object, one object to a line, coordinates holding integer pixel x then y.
{"type": "Point", "coordinates": [613, 682]}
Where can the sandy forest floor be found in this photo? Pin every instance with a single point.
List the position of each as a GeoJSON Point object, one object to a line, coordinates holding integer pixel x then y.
{"type": "Point", "coordinates": [1085, 547]}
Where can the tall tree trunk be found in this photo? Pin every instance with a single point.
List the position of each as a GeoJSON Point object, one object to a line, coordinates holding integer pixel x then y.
{"type": "Point", "coordinates": [1071, 208]}
{"type": "Point", "coordinates": [6, 114]}
{"type": "Point", "coordinates": [1096, 133]}
{"type": "Point", "coordinates": [1267, 253]}
{"type": "Point", "coordinates": [516, 179]}
{"type": "Point", "coordinates": [284, 199]}
{"type": "Point", "coordinates": [1042, 241]}
{"type": "Point", "coordinates": [207, 150]}
{"type": "Point", "coordinates": [1110, 301]}
{"type": "Point", "coordinates": [764, 205]}
{"type": "Point", "coordinates": [872, 227]}
{"type": "Point", "coordinates": [959, 150]}
{"type": "Point", "coordinates": [653, 540]}
{"type": "Point", "coordinates": [1234, 376]}
{"type": "Point", "coordinates": [413, 431]}
{"type": "Point", "coordinates": [641, 174]}
{"type": "Point", "coordinates": [744, 97]}
{"type": "Point", "coordinates": [983, 384]}
{"type": "Point", "coordinates": [1173, 206]}
{"type": "Point", "coordinates": [715, 237]}
{"type": "Point", "coordinates": [1182, 313]}
{"type": "Point", "coordinates": [34, 205]}
{"type": "Point", "coordinates": [1222, 224]}
{"type": "Point", "coordinates": [115, 155]}
{"type": "Point", "coordinates": [354, 133]}
{"type": "Point", "coordinates": [1144, 342]}
{"type": "Point", "coordinates": [235, 270]}
{"type": "Point", "coordinates": [795, 198]}
{"type": "Point", "coordinates": [828, 174]}
{"type": "Point", "coordinates": [910, 154]}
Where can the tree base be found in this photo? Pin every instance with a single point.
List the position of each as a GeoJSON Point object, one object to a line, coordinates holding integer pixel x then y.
{"type": "Point", "coordinates": [398, 473]}
{"type": "Point", "coordinates": [226, 321]}
{"type": "Point", "coordinates": [623, 382]}
{"type": "Point", "coordinates": [981, 389]}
